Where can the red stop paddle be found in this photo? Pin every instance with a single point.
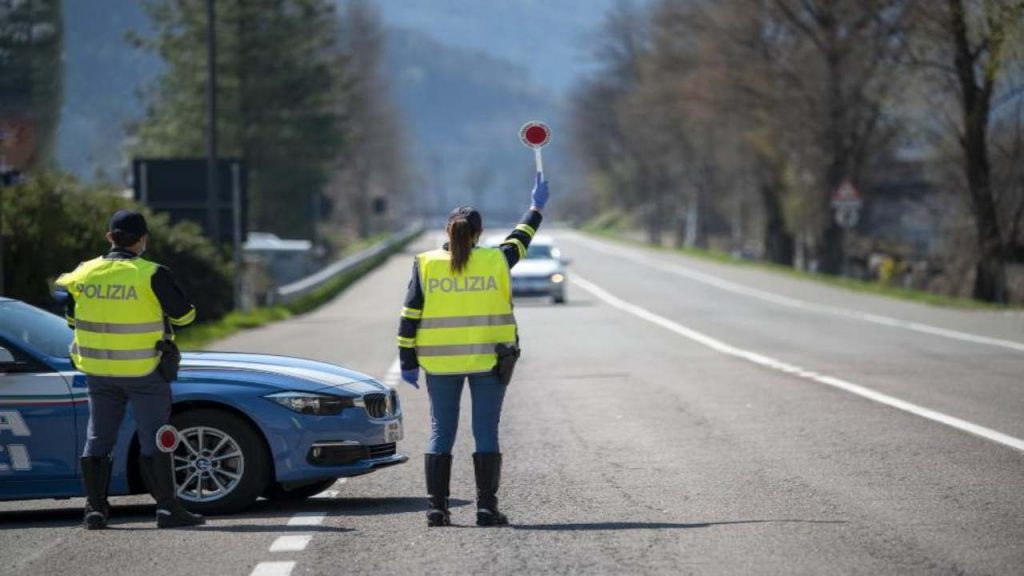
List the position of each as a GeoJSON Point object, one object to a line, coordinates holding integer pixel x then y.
{"type": "Point", "coordinates": [536, 135]}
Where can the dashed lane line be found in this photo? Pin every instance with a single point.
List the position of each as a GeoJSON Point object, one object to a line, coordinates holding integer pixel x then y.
{"type": "Point", "coordinates": [291, 543]}
{"type": "Point", "coordinates": [780, 300]}
{"type": "Point", "coordinates": [307, 519]}
{"type": "Point", "coordinates": [273, 568]}
{"type": "Point", "coordinates": [394, 373]}
{"type": "Point", "coordinates": [787, 368]}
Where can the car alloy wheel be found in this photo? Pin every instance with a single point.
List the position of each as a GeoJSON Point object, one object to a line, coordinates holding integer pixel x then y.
{"type": "Point", "coordinates": [208, 465]}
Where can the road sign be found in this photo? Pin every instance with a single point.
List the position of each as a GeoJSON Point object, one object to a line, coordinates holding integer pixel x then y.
{"type": "Point", "coordinates": [847, 203]}
{"type": "Point", "coordinates": [177, 186]}
{"type": "Point", "coordinates": [536, 135]}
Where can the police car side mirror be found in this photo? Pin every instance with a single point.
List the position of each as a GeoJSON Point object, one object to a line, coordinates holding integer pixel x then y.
{"type": "Point", "coordinates": [7, 361]}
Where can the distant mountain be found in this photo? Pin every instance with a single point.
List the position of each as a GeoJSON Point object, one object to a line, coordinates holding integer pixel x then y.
{"type": "Point", "coordinates": [549, 38]}
{"type": "Point", "coordinates": [465, 75]}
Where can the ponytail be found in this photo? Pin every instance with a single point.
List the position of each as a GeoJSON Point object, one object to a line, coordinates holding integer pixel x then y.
{"type": "Point", "coordinates": [460, 243]}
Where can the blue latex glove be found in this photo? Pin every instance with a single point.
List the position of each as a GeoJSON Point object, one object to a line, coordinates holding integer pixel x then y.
{"type": "Point", "coordinates": [540, 192]}
{"type": "Point", "coordinates": [411, 377]}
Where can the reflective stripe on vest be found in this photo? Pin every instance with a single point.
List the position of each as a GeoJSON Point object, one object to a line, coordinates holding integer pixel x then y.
{"type": "Point", "coordinates": [118, 319]}
{"type": "Point", "coordinates": [462, 321]}
{"type": "Point", "coordinates": [109, 328]}
{"type": "Point", "coordinates": [465, 315]}
{"type": "Point", "coordinates": [113, 354]}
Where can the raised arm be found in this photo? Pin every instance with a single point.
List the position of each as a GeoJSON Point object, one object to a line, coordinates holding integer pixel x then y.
{"type": "Point", "coordinates": [515, 245]}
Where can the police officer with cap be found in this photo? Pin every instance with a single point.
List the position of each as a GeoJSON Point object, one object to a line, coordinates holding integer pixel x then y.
{"type": "Point", "coordinates": [122, 309]}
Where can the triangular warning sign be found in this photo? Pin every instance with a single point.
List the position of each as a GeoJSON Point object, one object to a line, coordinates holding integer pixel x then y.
{"type": "Point", "coordinates": [847, 193]}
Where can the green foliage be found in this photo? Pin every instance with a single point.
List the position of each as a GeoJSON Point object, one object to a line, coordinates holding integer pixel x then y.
{"type": "Point", "coordinates": [280, 91]}
{"type": "Point", "coordinates": [198, 267]}
{"type": "Point", "coordinates": [614, 220]}
{"type": "Point", "coordinates": [198, 336]}
{"type": "Point", "coordinates": [51, 224]}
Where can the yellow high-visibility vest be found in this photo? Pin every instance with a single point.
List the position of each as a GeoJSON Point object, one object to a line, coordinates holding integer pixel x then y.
{"type": "Point", "coordinates": [464, 315]}
{"type": "Point", "coordinates": [118, 319]}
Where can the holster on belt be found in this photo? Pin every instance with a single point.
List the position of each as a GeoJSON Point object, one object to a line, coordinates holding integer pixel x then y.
{"type": "Point", "coordinates": [508, 355]}
{"type": "Point", "coordinates": [170, 359]}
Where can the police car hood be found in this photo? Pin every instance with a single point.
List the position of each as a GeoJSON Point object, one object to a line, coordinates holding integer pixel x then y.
{"type": "Point", "coordinates": [535, 268]}
{"type": "Point", "coordinates": [283, 372]}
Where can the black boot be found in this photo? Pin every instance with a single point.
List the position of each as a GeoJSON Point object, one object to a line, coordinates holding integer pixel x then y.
{"type": "Point", "coordinates": [438, 468]}
{"type": "Point", "coordinates": [96, 482]}
{"type": "Point", "coordinates": [159, 476]}
{"type": "Point", "coordinates": [488, 477]}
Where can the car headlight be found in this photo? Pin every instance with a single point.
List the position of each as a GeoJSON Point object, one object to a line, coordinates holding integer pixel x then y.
{"type": "Point", "coordinates": [309, 403]}
{"type": "Point", "coordinates": [557, 278]}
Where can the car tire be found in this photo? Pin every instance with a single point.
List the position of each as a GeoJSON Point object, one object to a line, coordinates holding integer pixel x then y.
{"type": "Point", "coordinates": [253, 462]}
{"type": "Point", "coordinates": [558, 298]}
{"type": "Point", "coordinates": [278, 493]}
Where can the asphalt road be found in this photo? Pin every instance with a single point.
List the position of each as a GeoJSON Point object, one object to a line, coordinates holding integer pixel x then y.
{"type": "Point", "coordinates": [675, 417]}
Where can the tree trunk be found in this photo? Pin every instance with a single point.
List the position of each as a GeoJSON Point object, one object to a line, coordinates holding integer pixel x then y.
{"type": "Point", "coordinates": [990, 270]}
{"type": "Point", "coordinates": [830, 259]}
{"type": "Point", "coordinates": [778, 242]}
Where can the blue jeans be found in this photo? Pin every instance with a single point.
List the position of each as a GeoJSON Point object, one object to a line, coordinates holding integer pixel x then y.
{"type": "Point", "coordinates": [445, 394]}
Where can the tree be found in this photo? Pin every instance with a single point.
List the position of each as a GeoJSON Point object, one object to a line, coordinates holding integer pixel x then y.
{"type": "Point", "coordinates": [847, 50]}
{"type": "Point", "coordinates": [374, 169]}
{"type": "Point", "coordinates": [31, 71]}
{"type": "Point", "coordinates": [70, 221]}
{"type": "Point", "coordinates": [975, 38]}
{"type": "Point", "coordinates": [279, 88]}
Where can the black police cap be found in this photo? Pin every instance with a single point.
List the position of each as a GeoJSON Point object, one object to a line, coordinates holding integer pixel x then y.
{"type": "Point", "coordinates": [128, 221]}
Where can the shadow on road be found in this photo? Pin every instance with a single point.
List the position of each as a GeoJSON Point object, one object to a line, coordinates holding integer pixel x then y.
{"type": "Point", "coordinates": [263, 509]}
{"type": "Point", "coordinates": [352, 506]}
{"type": "Point", "coordinates": [20, 519]}
{"type": "Point", "coordinates": [590, 526]}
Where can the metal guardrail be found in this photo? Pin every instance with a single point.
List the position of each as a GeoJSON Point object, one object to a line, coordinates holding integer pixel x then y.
{"type": "Point", "coordinates": [299, 288]}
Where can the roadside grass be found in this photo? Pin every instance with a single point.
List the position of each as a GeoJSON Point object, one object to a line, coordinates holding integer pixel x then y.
{"type": "Point", "coordinates": [200, 335]}
{"type": "Point", "coordinates": [875, 288]}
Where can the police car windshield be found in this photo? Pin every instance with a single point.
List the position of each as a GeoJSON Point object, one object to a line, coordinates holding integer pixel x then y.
{"type": "Point", "coordinates": [539, 252]}
{"type": "Point", "coordinates": [36, 329]}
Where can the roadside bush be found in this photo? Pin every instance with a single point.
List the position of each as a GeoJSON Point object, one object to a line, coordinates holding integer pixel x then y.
{"type": "Point", "coordinates": [51, 223]}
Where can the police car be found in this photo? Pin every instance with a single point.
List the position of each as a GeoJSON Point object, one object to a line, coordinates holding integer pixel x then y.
{"type": "Point", "coordinates": [250, 425]}
{"type": "Point", "coordinates": [541, 273]}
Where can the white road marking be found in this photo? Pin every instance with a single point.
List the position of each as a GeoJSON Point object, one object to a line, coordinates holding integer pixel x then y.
{"type": "Point", "coordinates": [780, 300]}
{"type": "Point", "coordinates": [273, 569]}
{"type": "Point", "coordinates": [307, 519]}
{"type": "Point", "coordinates": [291, 543]}
{"type": "Point", "coordinates": [774, 364]}
{"type": "Point", "coordinates": [394, 373]}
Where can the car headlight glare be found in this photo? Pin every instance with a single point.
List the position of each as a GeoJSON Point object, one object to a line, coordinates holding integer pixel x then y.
{"type": "Point", "coordinates": [557, 278]}
{"type": "Point", "coordinates": [309, 403]}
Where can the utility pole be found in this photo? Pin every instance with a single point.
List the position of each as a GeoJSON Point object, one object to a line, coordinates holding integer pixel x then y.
{"type": "Point", "coordinates": [213, 194]}
{"type": "Point", "coordinates": [3, 184]}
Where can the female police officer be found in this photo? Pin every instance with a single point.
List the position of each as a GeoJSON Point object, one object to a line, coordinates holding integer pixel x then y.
{"type": "Point", "coordinates": [457, 311]}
